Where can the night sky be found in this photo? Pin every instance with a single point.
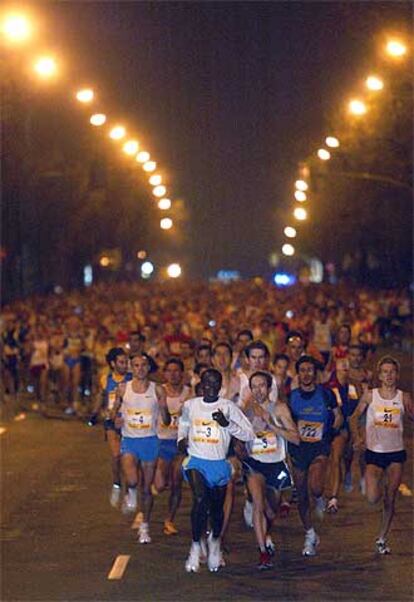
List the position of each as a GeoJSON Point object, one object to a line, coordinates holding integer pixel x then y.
{"type": "Point", "coordinates": [228, 96]}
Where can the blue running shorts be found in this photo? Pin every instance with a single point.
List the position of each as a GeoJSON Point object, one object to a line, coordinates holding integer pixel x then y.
{"type": "Point", "coordinates": [145, 449]}
{"type": "Point", "coordinates": [217, 473]}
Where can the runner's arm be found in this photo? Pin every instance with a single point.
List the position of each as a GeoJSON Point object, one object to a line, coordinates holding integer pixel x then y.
{"type": "Point", "coordinates": [288, 430]}
{"type": "Point", "coordinates": [183, 428]}
{"type": "Point", "coordinates": [120, 392]}
{"type": "Point", "coordinates": [239, 425]}
{"type": "Point", "coordinates": [162, 402]}
{"type": "Point", "coordinates": [354, 419]}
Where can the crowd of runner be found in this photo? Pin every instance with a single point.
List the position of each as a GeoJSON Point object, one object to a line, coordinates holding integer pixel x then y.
{"type": "Point", "coordinates": [219, 385]}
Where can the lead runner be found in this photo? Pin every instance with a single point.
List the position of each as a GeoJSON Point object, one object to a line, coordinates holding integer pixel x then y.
{"type": "Point", "coordinates": [205, 428]}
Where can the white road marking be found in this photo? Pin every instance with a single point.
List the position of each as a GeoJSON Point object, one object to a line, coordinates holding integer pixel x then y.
{"type": "Point", "coordinates": [119, 566]}
{"type": "Point", "coordinates": [2, 430]}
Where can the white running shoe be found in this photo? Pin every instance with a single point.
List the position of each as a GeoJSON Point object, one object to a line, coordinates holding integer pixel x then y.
{"type": "Point", "coordinates": [270, 546]}
{"type": "Point", "coordinates": [214, 554]}
{"type": "Point", "coordinates": [143, 533]}
{"type": "Point", "coordinates": [382, 546]}
{"type": "Point", "coordinates": [115, 495]}
{"type": "Point", "coordinates": [320, 506]}
{"type": "Point", "coordinates": [192, 564]}
{"type": "Point", "coordinates": [248, 514]}
{"type": "Point", "coordinates": [130, 501]}
{"type": "Point", "coordinates": [311, 543]}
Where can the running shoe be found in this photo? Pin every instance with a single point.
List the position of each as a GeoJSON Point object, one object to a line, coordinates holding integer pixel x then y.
{"type": "Point", "coordinates": [69, 411]}
{"type": "Point", "coordinates": [143, 533]}
{"type": "Point", "coordinates": [332, 505]}
{"type": "Point", "coordinates": [170, 528]}
{"type": "Point", "coordinates": [405, 490]}
{"type": "Point", "coordinates": [311, 543]}
{"type": "Point", "coordinates": [265, 561]}
{"type": "Point", "coordinates": [320, 507]}
{"type": "Point", "coordinates": [348, 486]}
{"type": "Point", "coordinates": [382, 547]}
{"type": "Point", "coordinates": [270, 546]}
{"type": "Point", "coordinates": [192, 564]}
{"type": "Point", "coordinates": [130, 502]}
{"type": "Point", "coordinates": [214, 553]}
{"type": "Point", "coordinates": [248, 514]}
{"type": "Point", "coordinates": [115, 495]}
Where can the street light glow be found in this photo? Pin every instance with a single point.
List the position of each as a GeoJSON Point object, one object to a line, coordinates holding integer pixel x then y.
{"type": "Point", "coordinates": [174, 270]}
{"type": "Point", "coordinates": [141, 254]}
{"type": "Point", "coordinates": [332, 142]}
{"type": "Point", "coordinates": [86, 95]}
{"type": "Point", "coordinates": [300, 196]}
{"type": "Point", "coordinates": [104, 261]}
{"type": "Point", "coordinates": [290, 232]}
{"type": "Point", "coordinates": [45, 67]}
{"type": "Point", "coordinates": [142, 157]}
{"type": "Point", "coordinates": [17, 28]}
{"type": "Point", "coordinates": [300, 214]}
{"type": "Point", "coordinates": [117, 132]}
{"type": "Point", "coordinates": [147, 268]}
{"type": "Point", "coordinates": [166, 223]}
{"type": "Point", "coordinates": [396, 48]}
{"type": "Point", "coordinates": [288, 249]}
{"type": "Point", "coordinates": [374, 83]}
{"type": "Point", "coordinates": [98, 119]}
{"type": "Point", "coordinates": [164, 204]}
{"type": "Point", "coordinates": [324, 154]}
{"type": "Point", "coordinates": [130, 147]}
{"type": "Point", "coordinates": [301, 185]}
{"type": "Point", "coordinates": [155, 179]}
{"type": "Point", "coordinates": [149, 166]}
{"type": "Point", "coordinates": [159, 191]}
{"type": "Point", "coordinates": [357, 107]}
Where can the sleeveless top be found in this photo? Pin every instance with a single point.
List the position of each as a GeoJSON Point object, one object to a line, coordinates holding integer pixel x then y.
{"type": "Point", "coordinates": [139, 412]}
{"type": "Point", "coordinates": [384, 426]}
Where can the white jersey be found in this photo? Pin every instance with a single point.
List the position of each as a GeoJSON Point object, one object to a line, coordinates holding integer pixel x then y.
{"type": "Point", "coordinates": [206, 438]}
{"type": "Point", "coordinates": [246, 392]}
{"type": "Point", "coordinates": [139, 412]}
{"type": "Point", "coordinates": [384, 425]}
{"type": "Point", "coordinates": [267, 446]}
{"type": "Point", "coordinates": [175, 405]}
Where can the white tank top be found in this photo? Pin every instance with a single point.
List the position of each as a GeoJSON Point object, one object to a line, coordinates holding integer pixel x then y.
{"type": "Point", "coordinates": [267, 447]}
{"type": "Point", "coordinates": [139, 412]}
{"type": "Point", "coordinates": [384, 426]}
{"type": "Point", "coordinates": [174, 405]}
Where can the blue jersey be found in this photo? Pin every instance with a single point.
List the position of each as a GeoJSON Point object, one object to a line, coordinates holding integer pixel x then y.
{"type": "Point", "coordinates": [110, 385]}
{"type": "Point", "coordinates": [312, 412]}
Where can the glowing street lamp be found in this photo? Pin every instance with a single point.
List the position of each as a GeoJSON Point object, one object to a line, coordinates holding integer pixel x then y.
{"type": "Point", "coordinates": [117, 133]}
{"type": "Point", "coordinates": [288, 249]}
{"type": "Point", "coordinates": [357, 107]}
{"type": "Point", "coordinates": [395, 48]}
{"type": "Point", "coordinates": [300, 214]}
{"type": "Point", "coordinates": [290, 232]}
{"type": "Point", "coordinates": [149, 166]}
{"type": "Point", "coordinates": [98, 119]}
{"type": "Point", "coordinates": [332, 142]}
{"type": "Point", "coordinates": [86, 95]}
{"type": "Point", "coordinates": [159, 191]}
{"type": "Point", "coordinates": [16, 28]}
{"type": "Point", "coordinates": [164, 204]}
{"type": "Point", "coordinates": [142, 157]}
{"type": "Point", "coordinates": [45, 67]}
{"type": "Point", "coordinates": [374, 83]}
{"type": "Point", "coordinates": [104, 261]}
{"type": "Point", "coordinates": [147, 269]}
{"type": "Point", "coordinates": [166, 223]}
{"type": "Point", "coordinates": [301, 185]}
{"type": "Point", "coordinates": [324, 154]}
{"type": "Point", "coordinates": [155, 180]}
{"type": "Point", "coordinates": [300, 196]}
{"type": "Point", "coordinates": [174, 270]}
{"type": "Point", "coordinates": [130, 147]}
{"type": "Point", "coordinates": [141, 254]}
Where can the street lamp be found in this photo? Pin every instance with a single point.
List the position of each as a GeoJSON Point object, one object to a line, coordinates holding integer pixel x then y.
{"type": "Point", "coordinates": [166, 223]}
{"type": "Point", "coordinates": [164, 204]}
{"type": "Point", "coordinates": [395, 48]}
{"type": "Point", "coordinates": [174, 270]}
{"type": "Point", "coordinates": [288, 249]}
{"type": "Point", "coordinates": [324, 154]}
{"type": "Point", "coordinates": [290, 232]}
{"type": "Point", "coordinates": [332, 142]}
{"type": "Point", "coordinates": [155, 180]}
{"type": "Point", "coordinates": [142, 157]}
{"type": "Point", "coordinates": [130, 147]}
{"type": "Point", "coordinates": [98, 119]}
{"type": "Point", "coordinates": [149, 166]}
{"type": "Point", "coordinates": [117, 133]}
{"type": "Point", "coordinates": [301, 185]}
{"type": "Point", "coordinates": [374, 83]}
{"type": "Point", "coordinates": [45, 67]}
{"type": "Point", "coordinates": [86, 95]}
{"type": "Point", "coordinates": [357, 107]}
{"type": "Point", "coordinates": [159, 191]}
{"type": "Point", "coordinates": [300, 196]}
{"type": "Point", "coordinates": [16, 28]}
{"type": "Point", "coordinates": [300, 214]}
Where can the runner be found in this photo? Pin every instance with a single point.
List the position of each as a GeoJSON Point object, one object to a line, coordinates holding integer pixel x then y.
{"type": "Point", "coordinates": [206, 426]}
{"type": "Point", "coordinates": [265, 469]}
{"type": "Point", "coordinates": [314, 409]}
{"type": "Point", "coordinates": [168, 470]}
{"type": "Point", "coordinates": [385, 407]}
{"type": "Point", "coordinates": [136, 409]}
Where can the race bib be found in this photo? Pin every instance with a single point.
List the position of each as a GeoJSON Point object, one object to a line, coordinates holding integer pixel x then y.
{"type": "Point", "coordinates": [139, 419]}
{"type": "Point", "coordinates": [264, 443]}
{"type": "Point", "coordinates": [388, 418]}
{"type": "Point", "coordinates": [311, 432]}
{"type": "Point", "coordinates": [205, 431]}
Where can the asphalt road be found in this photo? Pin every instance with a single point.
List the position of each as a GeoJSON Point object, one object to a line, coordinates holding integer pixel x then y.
{"type": "Point", "coordinates": [60, 537]}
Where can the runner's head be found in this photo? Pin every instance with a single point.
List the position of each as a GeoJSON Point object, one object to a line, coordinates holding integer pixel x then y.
{"type": "Point", "coordinates": [356, 356]}
{"type": "Point", "coordinates": [174, 371]}
{"type": "Point", "coordinates": [343, 335]}
{"type": "Point", "coordinates": [257, 355]}
{"type": "Point", "coordinates": [388, 370]}
{"type": "Point", "coordinates": [295, 345]}
{"type": "Point", "coordinates": [260, 384]}
{"type": "Point", "coordinates": [281, 365]}
{"type": "Point", "coordinates": [140, 365]}
{"type": "Point", "coordinates": [306, 368]}
{"type": "Point", "coordinates": [222, 355]}
{"type": "Point", "coordinates": [117, 360]}
{"type": "Point", "coordinates": [211, 384]}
